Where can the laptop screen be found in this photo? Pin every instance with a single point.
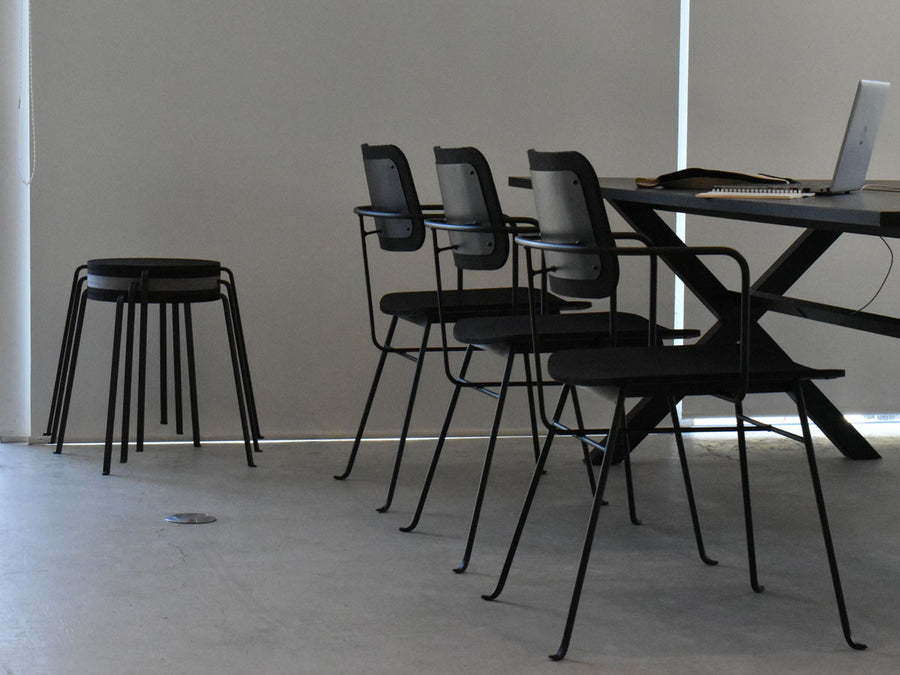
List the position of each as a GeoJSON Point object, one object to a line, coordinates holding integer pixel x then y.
{"type": "Point", "coordinates": [859, 138]}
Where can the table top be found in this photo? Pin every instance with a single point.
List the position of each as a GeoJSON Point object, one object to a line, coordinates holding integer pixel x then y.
{"type": "Point", "coordinates": [864, 212]}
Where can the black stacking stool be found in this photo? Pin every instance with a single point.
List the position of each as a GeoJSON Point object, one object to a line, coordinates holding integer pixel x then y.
{"type": "Point", "coordinates": [138, 283]}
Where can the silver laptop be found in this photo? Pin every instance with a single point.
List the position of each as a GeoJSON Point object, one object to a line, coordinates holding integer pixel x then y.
{"type": "Point", "coordinates": [859, 139]}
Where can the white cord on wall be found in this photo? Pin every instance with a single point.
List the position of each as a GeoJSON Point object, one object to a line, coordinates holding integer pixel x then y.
{"type": "Point", "coordinates": [26, 97]}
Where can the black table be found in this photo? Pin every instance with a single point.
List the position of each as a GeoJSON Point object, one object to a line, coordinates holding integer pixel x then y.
{"type": "Point", "coordinates": [822, 219]}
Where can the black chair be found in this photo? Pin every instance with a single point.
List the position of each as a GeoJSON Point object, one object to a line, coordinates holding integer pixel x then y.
{"type": "Point", "coordinates": [566, 191]}
{"type": "Point", "coordinates": [138, 283]}
{"type": "Point", "coordinates": [398, 219]}
{"type": "Point", "coordinates": [467, 222]}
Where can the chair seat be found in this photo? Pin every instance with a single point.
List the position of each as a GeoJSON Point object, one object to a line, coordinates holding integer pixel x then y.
{"type": "Point", "coordinates": [559, 331]}
{"type": "Point", "coordinates": [422, 306]}
{"type": "Point", "coordinates": [642, 371]}
{"type": "Point", "coordinates": [166, 279]}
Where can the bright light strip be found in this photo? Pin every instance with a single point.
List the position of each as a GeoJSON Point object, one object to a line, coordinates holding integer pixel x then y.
{"type": "Point", "coordinates": [684, 40]}
{"type": "Point", "coordinates": [873, 425]}
{"type": "Point", "coordinates": [288, 441]}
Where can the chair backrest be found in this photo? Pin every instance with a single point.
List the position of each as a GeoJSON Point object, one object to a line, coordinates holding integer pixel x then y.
{"type": "Point", "coordinates": [570, 211]}
{"type": "Point", "coordinates": [470, 197]}
{"type": "Point", "coordinates": [391, 189]}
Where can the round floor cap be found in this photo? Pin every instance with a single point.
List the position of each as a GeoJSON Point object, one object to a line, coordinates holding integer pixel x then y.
{"type": "Point", "coordinates": [190, 518]}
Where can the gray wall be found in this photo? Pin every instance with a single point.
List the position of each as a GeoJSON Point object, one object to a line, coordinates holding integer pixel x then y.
{"type": "Point", "coordinates": [231, 130]}
{"type": "Point", "coordinates": [771, 88]}
{"type": "Point", "coordinates": [214, 128]}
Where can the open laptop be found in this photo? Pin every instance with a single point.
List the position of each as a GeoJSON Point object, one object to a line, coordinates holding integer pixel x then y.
{"type": "Point", "coordinates": [853, 159]}
{"type": "Point", "coordinates": [859, 139]}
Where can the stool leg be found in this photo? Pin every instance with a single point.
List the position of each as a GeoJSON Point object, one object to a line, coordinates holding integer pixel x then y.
{"type": "Point", "coordinates": [70, 375]}
{"type": "Point", "coordinates": [129, 366]}
{"type": "Point", "coordinates": [142, 366]}
{"type": "Point", "coordinates": [192, 373]}
{"type": "Point", "coordinates": [64, 349]}
{"type": "Point", "coordinates": [113, 383]}
{"type": "Point", "coordinates": [56, 404]}
{"type": "Point", "coordinates": [242, 353]}
{"type": "Point", "coordinates": [163, 368]}
{"type": "Point", "coordinates": [176, 369]}
{"type": "Point", "coordinates": [238, 382]}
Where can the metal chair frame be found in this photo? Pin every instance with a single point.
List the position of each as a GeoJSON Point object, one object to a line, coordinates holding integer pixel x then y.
{"type": "Point", "coordinates": [568, 176]}
{"type": "Point", "coordinates": [739, 388]}
{"type": "Point", "coordinates": [415, 214]}
{"type": "Point", "coordinates": [414, 354]}
{"type": "Point", "coordinates": [495, 389]}
{"type": "Point", "coordinates": [509, 351]}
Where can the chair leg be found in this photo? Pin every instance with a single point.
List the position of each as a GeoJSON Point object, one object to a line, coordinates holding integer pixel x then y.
{"type": "Point", "coordinates": [435, 458]}
{"type": "Point", "coordinates": [64, 351]}
{"type": "Point", "coordinates": [126, 387]}
{"type": "Point", "coordinates": [163, 367]}
{"type": "Point", "coordinates": [823, 519]}
{"type": "Point", "coordinates": [617, 427]}
{"type": "Point", "coordinates": [629, 480]}
{"type": "Point", "coordinates": [585, 448]}
{"type": "Point", "coordinates": [176, 370]}
{"type": "Point", "coordinates": [238, 381]}
{"type": "Point", "coordinates": [532, 409]}
{"type": "Point", "coordinates": [745, 491]}
{"type": "Point", "coordinates": [369, 400]}
{"type": "Point", "coordinates": [113, 383]}
{"type": "Point", "coordinates": [688, 488]}
{"type": "Point", "coordinates": [420, 360]}
{"type": "Point", "coordinates": [529, 497]}
{"type": "Point", "coordinates": [66, 394]}
{"type": "Point", "coordinates": [488, 460]}
{"type": "Point", "coordinates": [192, 374]}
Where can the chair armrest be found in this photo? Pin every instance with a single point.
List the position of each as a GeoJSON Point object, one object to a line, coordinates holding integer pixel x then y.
{"type": "Point", "coordinates": [375, 213]}
{"type": "Point", "coordinates": [513, 225]}
{"type": "Point", "coordinates": [637, 236]}
{"type": "Point", "coordinates": [442, 224]}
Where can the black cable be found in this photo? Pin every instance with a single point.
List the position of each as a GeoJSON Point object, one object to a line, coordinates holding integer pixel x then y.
{"type": "Point", "coordinates": [883, 281]}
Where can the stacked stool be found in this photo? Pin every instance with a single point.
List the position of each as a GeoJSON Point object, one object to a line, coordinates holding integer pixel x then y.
{"type": "Point", "coordinates": [136, 283]}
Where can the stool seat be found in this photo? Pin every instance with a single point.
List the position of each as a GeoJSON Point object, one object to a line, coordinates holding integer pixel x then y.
{"type": "Point", "coordinates": [165, 279]}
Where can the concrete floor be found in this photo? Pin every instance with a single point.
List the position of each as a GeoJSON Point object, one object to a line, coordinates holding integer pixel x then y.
{"type": "Point", "coordinates": [299, 574]}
